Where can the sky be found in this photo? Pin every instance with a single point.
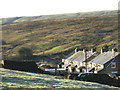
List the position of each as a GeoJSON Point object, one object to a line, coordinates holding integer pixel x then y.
{"type": "Point", "coordinates": [16, 8]}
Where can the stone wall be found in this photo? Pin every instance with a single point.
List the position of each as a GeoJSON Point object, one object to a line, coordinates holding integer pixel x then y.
{"type": "Point", "coordinates": [29, 66]}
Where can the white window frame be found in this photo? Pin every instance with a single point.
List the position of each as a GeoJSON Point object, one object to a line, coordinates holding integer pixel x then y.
{"type": "Point", "coordinates": [114, 65]}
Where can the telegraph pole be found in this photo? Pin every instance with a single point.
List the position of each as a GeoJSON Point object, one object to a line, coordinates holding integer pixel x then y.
{"type": "Point", "coordinates": [85, 56]}
{"type": "Point", "coordinates": [43, 61]}
{"type": "Point", "coordinates": [43, 56]}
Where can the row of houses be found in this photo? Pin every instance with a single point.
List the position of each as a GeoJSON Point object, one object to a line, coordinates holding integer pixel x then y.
{"type": "Point", "coordinates": [92, 61]}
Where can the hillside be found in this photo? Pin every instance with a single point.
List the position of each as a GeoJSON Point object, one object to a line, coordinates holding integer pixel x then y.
{"type": "Point", "coordinates": [58, 16]}
{"type": "Point", "coordinates": [59, 37]}
{"type": "Point", "coordinates": [18, 79]}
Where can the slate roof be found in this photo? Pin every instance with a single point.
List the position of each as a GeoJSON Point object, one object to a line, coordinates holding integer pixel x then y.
{"type": "Point", "coordinates": [79, 56]}
{"type": "Point", "coordinates": [103, 58]}
{"type": "Point", "coordinates": [74, 56]}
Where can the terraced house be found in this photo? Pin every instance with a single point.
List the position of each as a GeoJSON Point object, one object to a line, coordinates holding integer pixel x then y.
{"type": "Point", "coordinates": [110, 62]}
{"type": "Point", "coordinates": [91, 61]}
{"type": "Point", "coordinates": [77, 60]}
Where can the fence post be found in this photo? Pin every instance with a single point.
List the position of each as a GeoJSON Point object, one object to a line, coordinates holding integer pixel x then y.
{"type": "Point", "coordinates": [55, 70]}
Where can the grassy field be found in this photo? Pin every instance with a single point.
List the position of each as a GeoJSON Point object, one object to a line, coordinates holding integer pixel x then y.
{"type": "Point", "coordinates": [18, 79]}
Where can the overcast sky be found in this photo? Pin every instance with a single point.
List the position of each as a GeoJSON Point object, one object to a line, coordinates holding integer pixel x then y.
{"type": "Point", "coordinates": [13, 8]}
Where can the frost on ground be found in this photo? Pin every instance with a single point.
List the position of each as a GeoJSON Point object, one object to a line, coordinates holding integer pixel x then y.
{"type": "Point", "coordinates": [18, 79]}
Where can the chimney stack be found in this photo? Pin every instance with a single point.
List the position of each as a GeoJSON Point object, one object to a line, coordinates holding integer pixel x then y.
{"type": "Point", "coordinates": [91, 50]}
{"type": "Point", "coordinates": [113, 51]}
{"type": "Point", "coordinates": [85, 54]}
{"type": "Point", "coordinates": [75, 50]}
{"type": "Point", "coordinates": [101, 51]}
{"type": "Point", "coordinates": [63, 60]}
{"type": "Point", "coordinates": [84, 51]}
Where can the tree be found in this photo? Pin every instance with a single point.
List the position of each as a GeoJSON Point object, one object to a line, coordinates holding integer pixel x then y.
{"type": "Point", "coordinates": [25, 53]}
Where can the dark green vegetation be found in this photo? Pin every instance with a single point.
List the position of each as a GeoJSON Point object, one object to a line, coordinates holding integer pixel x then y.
{"type": "Point", "coordinates": [25, 53]}
{"type": "Point", "coordinates": [59, 37]}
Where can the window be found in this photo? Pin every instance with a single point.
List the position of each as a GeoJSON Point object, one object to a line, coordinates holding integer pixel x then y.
{"type": "Point", "coordinates": [113, 65]}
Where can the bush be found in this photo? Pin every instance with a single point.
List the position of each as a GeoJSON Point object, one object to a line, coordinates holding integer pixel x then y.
{"type": "Point", "coordinates": [25, 53]}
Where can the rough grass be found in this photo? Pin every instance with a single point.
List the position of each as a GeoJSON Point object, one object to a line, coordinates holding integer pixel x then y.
{"type": "Point", "coordinates": [61, 35]}
{"type": "Point", "coordinates": [18, 79]}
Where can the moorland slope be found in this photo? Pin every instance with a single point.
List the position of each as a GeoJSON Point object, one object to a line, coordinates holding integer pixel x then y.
{"type": "Point", "coordinates": [59, 37]}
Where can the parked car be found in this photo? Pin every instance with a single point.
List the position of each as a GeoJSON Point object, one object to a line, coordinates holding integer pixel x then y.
{"type": "Point", "coordinates": [83, 74]}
